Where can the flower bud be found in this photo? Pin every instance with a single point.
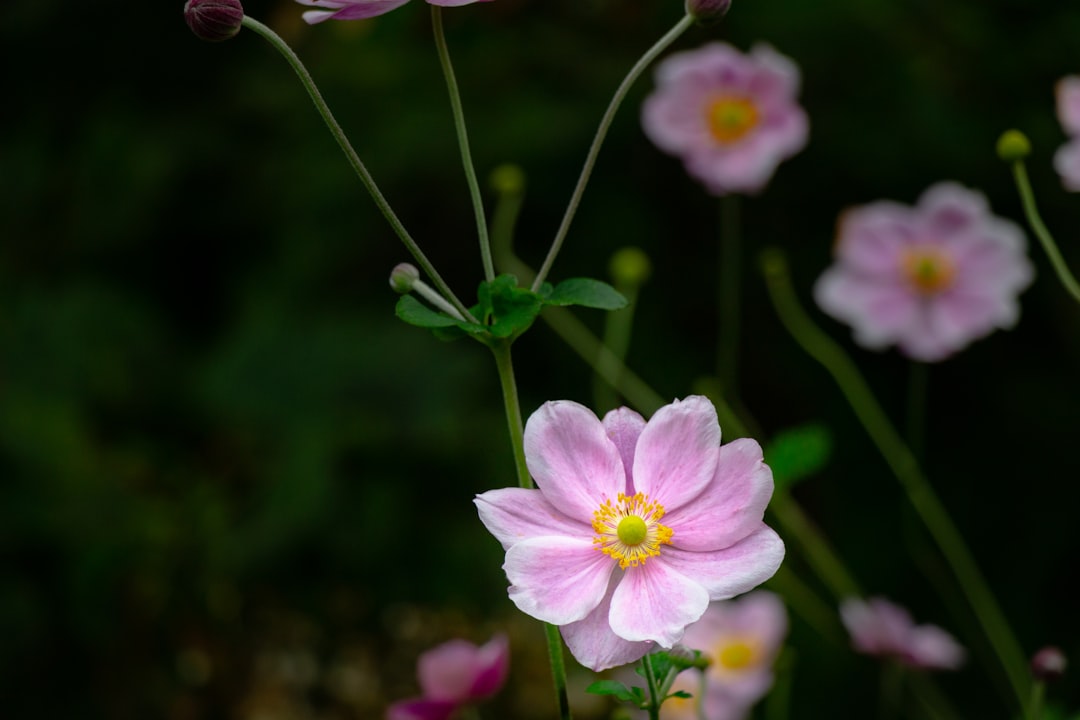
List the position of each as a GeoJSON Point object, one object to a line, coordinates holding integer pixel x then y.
{"type": "Point", "coordinates": [1013, 145]}
{"type": "Point", "coordinates": [1048, 664]}
{"type": "Point", "coordinates": [508, 179]}
{"type": "Point", "coordinates": [214, 20]}
{"type": "Point", "coordinates": [403, 278]}
{"type": "Point", "coordinates": [630, 266]}
{"type": "Point", "coordinates": [707, 12]}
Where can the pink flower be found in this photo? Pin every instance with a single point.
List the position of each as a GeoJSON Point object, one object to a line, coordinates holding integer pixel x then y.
{"type": "Point", "coordinates": [361, 9]}
{"type": "Point", "coordinates": [635, 526]}
{"type": "Point", "coordinates": [454, 674]}
{"type": "Point", "coordinates": [1067, 157]}
{"type": "Point", "coordinates": [878, 627]}
{"type": "Point", "coordinates": [929, 279]}
{"type": "Point", "coordinates": [731, 117]}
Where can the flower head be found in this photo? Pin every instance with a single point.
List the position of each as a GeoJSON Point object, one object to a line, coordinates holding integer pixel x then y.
{"type": "Point", "coordinates": [1067, 157]}
{"type": "Point", "coordinates": [214, 20]}
{"type": "Point", "coordinates": [362, 9]}
{"type": "Point", "coordinates": [879, 627]}
{"type": "Point", "coordinates": [731, 117]}
{"type": "Point", "coordinates": [930, 278]}
{"type": "Point", "coordinates": [635, 526]}
{"type": "Point", "coordinates": [454, 674]}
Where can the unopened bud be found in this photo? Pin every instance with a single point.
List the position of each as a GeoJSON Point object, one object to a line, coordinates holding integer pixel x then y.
{"type": "Point", "coordinates": [630, 266]}
{"type": "Point", "coordinates": [1013, 145]}
{"type": "Point", "coordinates": [403, 278]}
{"type": "Point", "coordinates": [214, 20]}
{"type": "Point", "coordinates": [1048, 664]}
{"type": "Point", "coordinates": [508, 179]}
{"type": "Point", "coordinates": [707, 12]}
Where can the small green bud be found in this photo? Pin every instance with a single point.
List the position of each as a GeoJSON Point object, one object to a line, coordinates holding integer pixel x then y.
{"type": "Point", "coordinates": [214, 20]}
{"type": "Point", "coordinates": [630, 266]}
{"type": "Point", "coordinates": [707, 12]}
{"type": "Point", "coordinates": [403, 278]}
{"type": "Point", "coordinates": [1013, 145]}
{"type": "Point", "coordinates": [508, 179]}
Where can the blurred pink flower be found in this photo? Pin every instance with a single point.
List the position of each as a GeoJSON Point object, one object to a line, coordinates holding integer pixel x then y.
{"type": "Point", "coordinates": [732, 118]}
{"type": "Point", "coordinates": [587, 550]}
{"type": "Point", "coordinates": [879, 627]}
{"type": "Point", "coordinates": [454, 674]}
{"type": "Point", "coordinates": [1067, 157]}
{"type": "Point", "coordinates": [361, 9]}
{"type": "Point", "coordinates": [930, 278]}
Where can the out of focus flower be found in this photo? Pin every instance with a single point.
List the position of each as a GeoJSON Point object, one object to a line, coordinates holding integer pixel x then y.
{"type": "Point", "coordinates": [707, 12]}
{"type": "Point", "coordinates": [362, 9]}
{"type": "Point", "coordinates": [731, 117]}
{"type": "Point", "coordinates": [635, 526]}
{"type": "Point", "coordinates": [879, 627]}
{"type": "Point", "coordinates": [929, 279]}
{"type": "Point", "coordinates": [454, 674]}
{"type": "Point", "coordinates": [1048, 664]}
{"type": "Point", "coordinates": [214, 20]}
{"type": "Point", "coordinates": [1067, 157]}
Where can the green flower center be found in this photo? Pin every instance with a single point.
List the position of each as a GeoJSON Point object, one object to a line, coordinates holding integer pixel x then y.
{"type": "Point", "coordinates": [928, 269]}
{"type": "Point", "coordinates": [632, 530]}
{"type": "Point", "coordinates": [628, 530]}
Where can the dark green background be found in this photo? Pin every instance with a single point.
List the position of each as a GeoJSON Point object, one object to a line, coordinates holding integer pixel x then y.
{"type": "Point", "coordinates": [232, 483]}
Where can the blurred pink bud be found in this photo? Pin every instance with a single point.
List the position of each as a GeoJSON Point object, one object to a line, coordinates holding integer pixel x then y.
{"type": "Point", "coordinates": [1048, 664]}
{"type": "Point", "coordinates": [214, 20]}
{"type": "Point", "coordinates": [878, 627]}
{"type": "Point", "coordinates": [707, 11]}
{"type": "Point", "coordinates": [454, 674]}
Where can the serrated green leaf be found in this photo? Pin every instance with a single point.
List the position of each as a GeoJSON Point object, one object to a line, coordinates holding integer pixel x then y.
{"type": "Point", "coordinates": [414, 312]}
{"type": "Point", "coordinates": [798, 453]}
{"type": "Point", "coordinates": [507, 309]}
{"type": "Point", "coordinates": [587, 293]}
{"type": "Point", "coordinates": [613, 687]}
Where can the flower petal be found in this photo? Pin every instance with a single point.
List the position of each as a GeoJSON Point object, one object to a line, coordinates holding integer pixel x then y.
{"type": "Point", "coordinates": [624, 427]}
{"type": "Point", "coordinates": [557, 579]}
{"type": "Point", "coordinates": [421, 709]}
{"type": "Point", "coordinates": [677, 452]}
{"type": "Point", "coordinates": [348, 9]}
{"type": "Point", "coordinates": [1067, 94]}
{"type": "Point", "coordinates": [592, 642]}
{"type": "Point", "coordinates": [733, 570]}
{"type": "Point", "coordinates": [656, 602]}
{"type": "Point", "coordinates": [446, 672]}
{"type": "Point", "coordinates": [491, 667]}
{"type": "Point", "coordinates": [572, 459]}
{"type": "Point", "coordinates": [931, 647]}
{"type": "Point", "coordinates": [516, 514]}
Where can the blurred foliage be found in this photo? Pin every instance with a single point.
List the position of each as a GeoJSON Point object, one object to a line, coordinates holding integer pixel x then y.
{"type": "Point", "coordinates": [234, 485]}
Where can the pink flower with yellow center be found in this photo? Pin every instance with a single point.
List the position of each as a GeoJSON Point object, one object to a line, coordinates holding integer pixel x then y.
{"type": "Point", "coordinates": [879, 627]}
{"type": "Point", "coordinates": [1067, 157]}
{"type": "Point", "coordinates": [929, 279]}
{"type": "Point", "coordinates": [731, 117]}
{"type": "Point", "coordinates": [362, 9]}
{"type": "Point", "coordinates": [634, 528]}
{"type": "Point", "coordinates": [453, 675]}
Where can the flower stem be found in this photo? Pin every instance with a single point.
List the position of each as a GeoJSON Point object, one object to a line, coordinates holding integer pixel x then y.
{"type": "Point", "coordinates": [463, 141]}
{"type": "Point", "coordinates": [1038, 694]}
{"type": "Point", "coordinates": [558, 669]}
{"type": "Point", "coordinates": [354, 160]}
{"type": "Point", "coordinates": [654, 689]}
{"type": "Point", "coordinates": [815, 547]}
{"type": "Point", "coordinates": [903, 464]}
{"type": "Point", "coordinates": [618, 327]}
{"type": "Point", "coordinates": [1027, 198]}
{"type": "Point", "coordinates": [598, 140]}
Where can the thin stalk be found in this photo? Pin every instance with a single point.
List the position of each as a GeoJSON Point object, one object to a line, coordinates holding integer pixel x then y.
{"type": "Point", "coordinates": [904, 465]}
{"type": "Point", "coordinates": [354, 160]}
{"type": "Point", "coordinates": [618, 327]}
{"type": "Point", "coordinates": [729, 297]}
{"type": "Point", "coordinates": [463, 141]}
{"type": "Point", "coordinates": [558, 669]}
{"type": "Point", "coordinates": [822, 558]}
{"type": "Point", "coordinates": [1038, 696]}
{"type": "Point", "coordinates": [1027, 198]}
{"type": "Point", "coordinates": [598, 140]}
{"type": "Point", "coordinates": [654, 689]}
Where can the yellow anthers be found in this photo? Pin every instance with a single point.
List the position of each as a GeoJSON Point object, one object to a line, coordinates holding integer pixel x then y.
{"type": "Point", "coordinates": [730, 118]}
{"type": "Point", "coordinates": [628, 530]}
{"type": "Point", "coordinates": [736, 654]}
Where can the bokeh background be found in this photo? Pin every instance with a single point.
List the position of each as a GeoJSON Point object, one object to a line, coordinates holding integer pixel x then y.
{"type": "Point", "coordinates": [233, 485]}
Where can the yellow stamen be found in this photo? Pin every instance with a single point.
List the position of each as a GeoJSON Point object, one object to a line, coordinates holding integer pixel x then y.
{"type": "Point", "coordinates": [629, 531]}
{"type": "Point", "coordinates": [928, 269]}
{"type": "Point", "coordinates": [736, 655]}
{"type": "Point", "coordinates": [730, 118]}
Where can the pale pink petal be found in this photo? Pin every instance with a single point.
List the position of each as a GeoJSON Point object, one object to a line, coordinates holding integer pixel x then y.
{"type": "Point", "coordinates": [516, 514]}
{"type": "Point", "coordinates": [490, 667]}
{"type": "Point", "coordinates": [571, 458]}
{"type": "Point", "coordinates": [348, 9]}
{"type": "Point", "coordinates": [656, 602]}
{"type": "Point", "coordinates": [592, 642]}
{"type": "Point", "coordinates": [1067, 92]}
{"type": "Point", "coordinates": [677, 452]}
{"type": "Point", "coordinates": [947, 208]}
{"type": "Point", "coordinates": [454, 3]}
{"type": "Point", "coordinates": [931, 647]}
{"type": "Point", "coordinates": [880, 312]}
{"type": "Point", "coordinates": [733, 570]}
{"type": "Point", "coordinates": [872, 237]}
{"type": "Point", "coordinates": [776, 75]}
{"type": "Point", "coordinates": [556, 579]}
{"type": "Point", "coordinates": [877, 626]}
{"type": "Point", "coordinates": [623, 427]}
{"type": "Point", "coordinates": [1067, 164]}
{"type": "Point", "coordinates": [447, 672]}
{"type": "Point", "coordinates": [731, 507]}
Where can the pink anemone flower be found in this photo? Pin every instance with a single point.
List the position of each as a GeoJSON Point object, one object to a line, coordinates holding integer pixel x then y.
{"type": "Point", "coordinates": [1067, 157]}
{"type": "Point", "coordinates": [929, 279]}
{"type": "Point", "coordinates": [879, 627]}
{"type": "Point", "coordinates": [362, 9]}
{"type": "Point", "coordinates": [731, 117]}
{"type": "Point", "coordinates": [635, 526]}
{"type": "Point", "coordinates": [454, 674]}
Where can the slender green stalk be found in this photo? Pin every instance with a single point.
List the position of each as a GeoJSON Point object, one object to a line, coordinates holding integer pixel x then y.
{"type": "Point", "coordinates": [463, 141]}
{"type": "Point", "coordinates": [729, 297]}
{"type": "Point", "coordinates": [890, 692]}
{"type": "Point", "coordinates": [655, 698]}
{"type": "Point", "coordinates": [1027, 198]}
{"type": "Point", "coordinates": [903, 464]}
{"type": "Point", "coordinates": [822, 558]}
{"type": "Point", "coordinates": [558, 669]}
{"type": "Point", "coordinates": [1038, 696]}
{"type": "Point", "coordinates": [618, 327]}
{"type": "Point", "coordinates": [598, 140]}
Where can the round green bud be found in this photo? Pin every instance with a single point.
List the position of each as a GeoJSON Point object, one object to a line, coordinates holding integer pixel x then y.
{"type": "Point", "coordinates": [403, 278]}
{"type": "Point", "coordinates": [630, 266]}
{"type": "Point", "coordinates": [1013, 145]}
{"type": "Point", "coordinates": [508, 179]}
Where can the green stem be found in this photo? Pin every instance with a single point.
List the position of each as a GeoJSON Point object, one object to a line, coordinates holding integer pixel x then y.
{"type": "Point", "coordinates": [654, 690]}
{"type": "Point", "coordinates": [463, 141]}
{"type": "Point", "coordinates": [1027, 198]}
{"type": "Point", "coordinates": [598, 140]}
{"type": "Point", "coordinates": [827, 566]}
{"type": "Point", "coordinates": [354, 160]}
{"type": "Point", "coordinates": [903, 464]}
{"type": "Point", "coordinates": [618, 327]}
{"type": "Point", "coordinates": [1038, 695]}
{"type": "Point", "coordinates": [729, 295]}
{"type": "Point", "coordinates": [558, 669]}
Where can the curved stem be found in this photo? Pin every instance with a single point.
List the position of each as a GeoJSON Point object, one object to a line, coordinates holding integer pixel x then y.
{"type": "Point", "coordinates": [1027, 198]}
{"type": "Point", "coordinates": [598, 140]}
{"type": "Point", "coordinates": [354, 160]}
{"type": "Point", "coordinates": [903, 464]}
{"type": "Point", "coordinates": [463, 141]}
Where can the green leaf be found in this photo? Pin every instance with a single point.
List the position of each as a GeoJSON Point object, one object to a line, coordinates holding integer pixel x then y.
{"type": "Point", "coordinates": [680, 694]}
{"type": "Point", "coordinates": [587, 293]}
{"type": "Point", "coordinates": [507, 309]}
{"type": "Point", "coordinates": [798, 453]}
{"type": "Point", "coordinates": [620, 691]}
{"type": "Point", "coordinates": [416, 313]}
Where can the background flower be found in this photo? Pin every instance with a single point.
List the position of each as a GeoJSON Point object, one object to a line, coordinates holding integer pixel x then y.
{"type": "Point", "coordinates": [453, 674]}
{"type": "Point", "coordinates": [879, 627]}
{"type": "Point", "coordinates": [929, 279]}
{"type": "Point", "coordinates": [361, 9]}
{"type": "Point", "coordinates": [731, 117]}
{"type": "Point", "coordinates": [1067, 157]}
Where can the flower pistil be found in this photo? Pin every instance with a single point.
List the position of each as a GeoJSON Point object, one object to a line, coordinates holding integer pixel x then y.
{"type": "Point", "coordinates": [731, 118]}
{"type": "Point", "coordinates": [928, 270]}
{"type": "Point", "coordinates": [629, 530]}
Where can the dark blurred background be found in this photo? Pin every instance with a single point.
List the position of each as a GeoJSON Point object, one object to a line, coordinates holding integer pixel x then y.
{"type": "Point", "coordinates": [233, 485]}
